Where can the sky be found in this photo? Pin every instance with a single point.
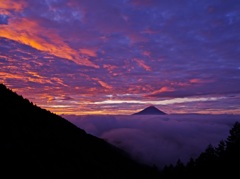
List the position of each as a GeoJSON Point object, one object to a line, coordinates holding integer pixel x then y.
{"type": "Point", "coordinates": [159, 140]}
{"type": "Point", "coordinates": [120, 56]}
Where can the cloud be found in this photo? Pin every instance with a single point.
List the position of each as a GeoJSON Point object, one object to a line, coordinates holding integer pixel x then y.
{"type": "Point", "coordinates": [159, 140]}
{"type": "Point", "coordinates": [3, 19]}
{"type": "Point", "coordinates": [29, 30]}
{"type": "Point", "coordinates": [143, 3]}
{"type": "Point", "coordinates": [9, 5]}
{"type": "Point", "coordinates": [135, 50]}
{"type": "Point", "coordinates": [142, 64]}
{"type": "Point", "coordinates": [88, 52]}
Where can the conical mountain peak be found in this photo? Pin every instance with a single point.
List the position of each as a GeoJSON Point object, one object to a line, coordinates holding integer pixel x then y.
{"type": "Point", "coordinates": [150, 110]}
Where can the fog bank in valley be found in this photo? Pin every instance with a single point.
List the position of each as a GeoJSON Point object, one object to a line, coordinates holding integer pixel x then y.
{"type": "Point", "coordinates": [158, 140]}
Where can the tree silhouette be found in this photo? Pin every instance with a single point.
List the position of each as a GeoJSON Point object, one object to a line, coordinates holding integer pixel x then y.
{"type": "Point", "coordinates": [214, 162]}
{"type": "Point", "coordinates": [35, 143]}
{"type": "Point", "coordinates": [233, 140]}
{"type": "Point", "coordinates": [232, 155]}
{"type": "Point", "coordinates": [220, 149]}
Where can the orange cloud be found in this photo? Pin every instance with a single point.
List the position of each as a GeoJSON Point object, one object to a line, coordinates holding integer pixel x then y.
{"type": "Point", "coordinates": [110, 68]}
{"type": "Point", "coordinates": [88, 52]}
{"type": "Point", "coordinates": [31, 77]}
{"type": "Point", "coordinates": [5, 75]}
{"type": "Point", "coordinates": [162, 90]}
{"type": "Point", "coordinates": [28, 32]}
{"type": "Point", "coordinates": [102, 83]}
{"type": "Point", "coordinates": [105, 85]}
{"type": "Point", "coordinates": [6, 5]}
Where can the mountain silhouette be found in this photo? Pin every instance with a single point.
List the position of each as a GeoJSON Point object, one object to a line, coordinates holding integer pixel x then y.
{"type": "Point", "coordinates": [151, 110]}
{"type": "Point", "coordinates": [35, 143]}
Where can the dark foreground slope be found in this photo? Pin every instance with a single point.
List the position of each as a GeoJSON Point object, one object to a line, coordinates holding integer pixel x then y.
{"type": "Point", "coordinates": [36, 143]}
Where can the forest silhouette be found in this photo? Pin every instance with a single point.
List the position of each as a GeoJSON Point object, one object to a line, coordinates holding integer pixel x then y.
{"type": "Point", "coordinates": [214, 162]}
{"type": "Point", "coordinates": [36, 143]}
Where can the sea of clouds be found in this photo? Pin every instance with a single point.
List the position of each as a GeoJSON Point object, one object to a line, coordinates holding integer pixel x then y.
{"type": "Point", "coordinates": [158, 140]}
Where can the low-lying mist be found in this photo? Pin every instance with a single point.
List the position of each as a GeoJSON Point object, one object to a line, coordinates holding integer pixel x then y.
{"type": "Point", "coordinates": [158, 140]}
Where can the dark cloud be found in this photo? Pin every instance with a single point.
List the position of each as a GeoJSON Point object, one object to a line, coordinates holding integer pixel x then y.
{"type": "Point", "coordinates": [3, 19]}
{"type": "Point", "coordinates": [159, 140]}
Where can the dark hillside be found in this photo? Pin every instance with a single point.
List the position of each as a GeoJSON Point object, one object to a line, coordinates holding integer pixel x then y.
{"type": "Point", "coordinates": [37, 143]}
{"type": "Point", "coordinates": [215, 162]}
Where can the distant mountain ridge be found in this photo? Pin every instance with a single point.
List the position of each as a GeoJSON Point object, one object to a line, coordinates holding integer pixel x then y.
{"type": "Point", "coordinates": [36, 143]}
{"type": "Point", "coordinates": [151, 110]}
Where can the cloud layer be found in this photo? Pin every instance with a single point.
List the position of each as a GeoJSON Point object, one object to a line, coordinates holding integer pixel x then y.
{"type": "Point", "coordinates": [159, 140]}
{"type": "Point", "coordinates": [75, 56]}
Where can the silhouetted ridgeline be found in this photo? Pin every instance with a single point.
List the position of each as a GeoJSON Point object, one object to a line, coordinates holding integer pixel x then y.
{"type": "Point", "coordinates": [36, 143]}
{"type": "Point", "coordinates": [215, 162]}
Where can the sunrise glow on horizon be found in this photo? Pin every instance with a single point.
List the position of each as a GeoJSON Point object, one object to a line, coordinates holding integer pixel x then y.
{"type": "Point", "coordinates": [94, 57]}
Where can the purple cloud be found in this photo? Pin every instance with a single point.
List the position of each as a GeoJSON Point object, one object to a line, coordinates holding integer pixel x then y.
{"type": "Point", "coordinates": [3, 19]}
{"type": "Point", "coordinates": [96, 51]}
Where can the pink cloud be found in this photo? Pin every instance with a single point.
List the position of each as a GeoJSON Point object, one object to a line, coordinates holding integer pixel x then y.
{"type": "Point", "coordinates": [89, 52]}
{"type": "Point", "coordinates": [142, 64]}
